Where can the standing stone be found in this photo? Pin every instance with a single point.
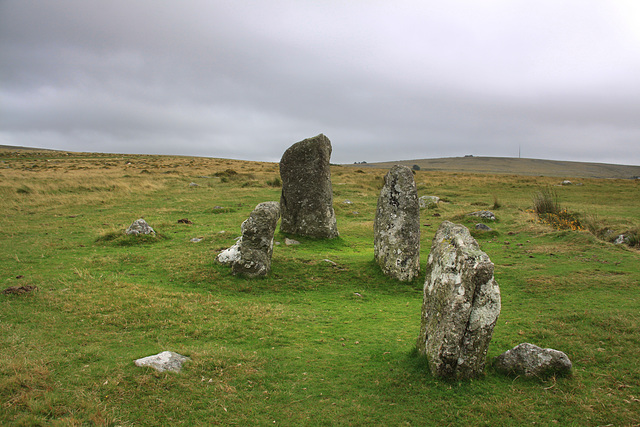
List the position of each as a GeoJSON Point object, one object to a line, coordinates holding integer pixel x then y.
{"type": "Point", "coordinates": [256, 243]}
{"type": "Point", "coordinates": [460, 307]}
{"type": "Point", "coordinates": [307, 196]}
{"type": "Point", "coordinates": [397, 226]}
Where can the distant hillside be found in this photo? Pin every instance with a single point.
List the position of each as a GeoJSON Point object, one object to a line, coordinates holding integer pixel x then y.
{"type": "Point", "coordinates": [19, 148]}
{"type": "Point", "coordinates": [488, 165]}
{"type": "Point", "coordinates": [516, 166]}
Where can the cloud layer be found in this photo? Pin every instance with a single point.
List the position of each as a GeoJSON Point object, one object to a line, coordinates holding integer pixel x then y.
{"type": "Point", "coordinates": [384, 80]}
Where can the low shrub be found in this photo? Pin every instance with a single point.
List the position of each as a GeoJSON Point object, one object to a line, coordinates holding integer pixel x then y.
{"type": "Point", "coordinates": [545, 201]}
{"type": "Point", "coordinates": [226, 173]}
{"type": "Point", "coordinates": [496, 202]}
{"type": "Point", "coordinates": [562, 220]}
{"type": "Point", "coordinates": [275, 182]}
{"type": "Point", "coordinates": [23, 189]}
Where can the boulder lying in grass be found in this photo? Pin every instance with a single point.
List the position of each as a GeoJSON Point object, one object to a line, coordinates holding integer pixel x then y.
{"type": "Point", "coordinates": [482, 227]}
{"type": "Point", "coordinates": [251, 254]}
{"type": "Point", "coordinates": [460, 307]}
{"type": "Point", "coordinates": [429, 202]}
{"type": "Point", "coordinates": [622, 240]}
{"type": "Point", "coordinates": [484, 215]}
{"type": "Point", "coordinates": [307, 196]}
{"type": "Point", "coordinates": [165, 361]}
{"type": "Point", "coordinates": [532, 361]}
{"type": "Point", "coordinates": [396, 229]}
{"type": "Point", "coordinates": [139, 227]}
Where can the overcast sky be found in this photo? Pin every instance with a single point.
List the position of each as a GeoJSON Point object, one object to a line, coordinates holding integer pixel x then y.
{"type": "Point", "coordinates": [384, 80]}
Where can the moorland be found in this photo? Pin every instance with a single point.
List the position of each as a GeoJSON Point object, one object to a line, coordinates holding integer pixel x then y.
{"type": "Point", "coordinates": [316, 342]}
{"type": "Point", "coordinates": [517, 166]}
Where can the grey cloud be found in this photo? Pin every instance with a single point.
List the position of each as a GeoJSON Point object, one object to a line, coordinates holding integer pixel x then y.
{"type": "Point", "coordinates": [384, 81]}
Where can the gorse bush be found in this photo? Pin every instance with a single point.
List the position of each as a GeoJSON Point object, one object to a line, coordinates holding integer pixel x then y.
{"type": "Point", "coordinates": [562, 220]}
{"type": "Point", "coordinates": [547, 207]}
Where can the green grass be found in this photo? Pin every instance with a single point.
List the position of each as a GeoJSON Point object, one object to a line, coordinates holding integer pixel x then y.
{"type": "Point", "coordinates": [299, 347]}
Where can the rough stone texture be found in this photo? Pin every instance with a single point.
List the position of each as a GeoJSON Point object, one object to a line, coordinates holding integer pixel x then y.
{"type": "Point", "coordinates": [230, 255]}
{"type": "Point", "coordinates": [484, 214]}
{"type": "Point", "coordinates": [140, 226]}
{"type": "Point", "coordinates": [429, 202]}
{"type": "Point", "coordinates": [460, 307]}
{"type": "Point", "coordinates": [396, 228]}
{"type": "Point", "coordinates": [530, 360]}
{"type": "Point", "coordinates": [622, 239]}
{"type": "Point", "coordinates": [307, 196]}
{"type": "Point", "coordinates": [256, 243]}
{"type": "Point", "coordinates": [483, 227]}
{"type": "Point", "coordinates": [290, 242]}
{"type": "Point", "coordinates": [165, 361]}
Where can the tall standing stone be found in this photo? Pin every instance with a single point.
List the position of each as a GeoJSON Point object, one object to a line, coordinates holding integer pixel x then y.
{"type": "Point", "coordinates": [460, 307]}
{"type": "Point", "coordinates": [255, 247]}
{"type": "Point", "coordinates": [307, 196]}
{"type": "Point", "coordinates": [397, 226]}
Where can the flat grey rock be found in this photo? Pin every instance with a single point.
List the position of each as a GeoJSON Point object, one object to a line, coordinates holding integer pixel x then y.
{"type": "Point", "coordinates": [484, 215]}
{"type": "Point", "coordinates": [483, 227]}
{"type": "Point", "coordinates": [165, 361]}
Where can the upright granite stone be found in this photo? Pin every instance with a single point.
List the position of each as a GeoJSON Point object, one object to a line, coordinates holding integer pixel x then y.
{"type": "Point", "coordinates": [307, 196]}
{"type": "Point", "coordinates": [256, 243]}
{"type": "Point", "coordinates": [396, 228]}
{"type": "Point", "coordinates": [460, 307]}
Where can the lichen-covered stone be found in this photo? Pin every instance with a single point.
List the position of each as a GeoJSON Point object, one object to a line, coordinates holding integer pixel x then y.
{"type": "Point", "coordinates": [307, 195]}
{"type": "Point", "coordinates": [461, 305]}
{"type": "Point", "coordinates": [396, 227]}
{"type": "Point", "coordinates": [530, 360]}
{"type": "Point", "coordinates": [165, 361]}
{"type": "Point", "coordinates": [429, 202]}
{"type": "Point", "coordinates": [482, 227]}
{"type": "Point", "coordinates": [231, 254]}
{"type": "Point", "coordinates": [140, 226]}
{"type": "Point", "coordinates": [484, 215]}
{"type": "Point", "coordinates": [256, 243]}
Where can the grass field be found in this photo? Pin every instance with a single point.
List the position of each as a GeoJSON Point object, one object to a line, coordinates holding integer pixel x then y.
{"type": "Point", "coordinates": [314, 343]}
